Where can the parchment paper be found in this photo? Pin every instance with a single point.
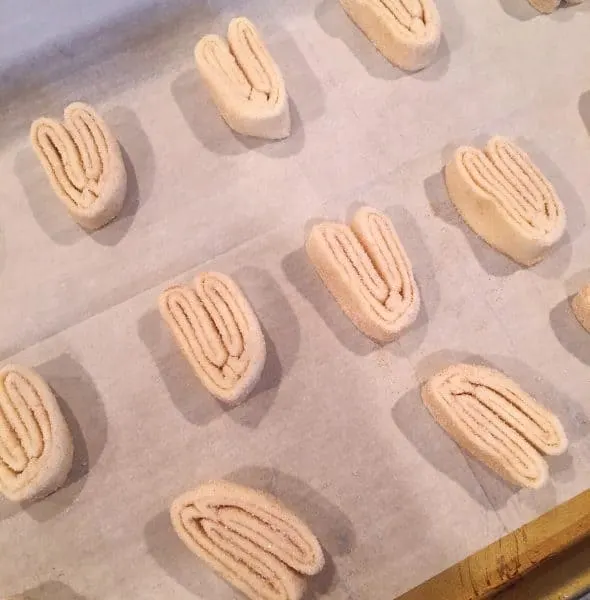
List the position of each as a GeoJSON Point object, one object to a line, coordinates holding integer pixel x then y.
{"type": "Point", "coordinates": [336, 428]}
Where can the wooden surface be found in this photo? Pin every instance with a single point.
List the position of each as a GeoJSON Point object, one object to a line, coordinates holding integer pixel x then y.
{"type": "Point", "coordinates": [561, 537]}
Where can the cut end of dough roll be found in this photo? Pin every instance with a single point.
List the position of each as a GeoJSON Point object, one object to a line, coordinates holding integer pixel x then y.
{"type": "Point", "coordinates": [83, 162]}
{"type": "Point", "coordinates": [244, 81]}
{"type": "Point", "coordinates": [249, 538]}
{"type": "Point", "coordinates": [506, 200]}
{"type": "Point", "coordinates": [581, 307]}
{"type": "Point", "coordinates": [492, 418]}
{"type": "Point", "coordinates": [219, 334]}
{"type": "Point", "coordinates": [36, 449]}
{"type": "Point", "coordinates": [406, 32]}
{"type": "Point", "coordinates": [367, 270]}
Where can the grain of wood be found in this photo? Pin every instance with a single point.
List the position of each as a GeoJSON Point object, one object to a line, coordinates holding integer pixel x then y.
{"type": "Point", "coordinates": [487, 572]}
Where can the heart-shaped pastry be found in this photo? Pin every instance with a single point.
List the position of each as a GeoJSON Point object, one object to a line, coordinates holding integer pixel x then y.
{"type": "Point", "coordinates": [84, 165]}
{"type": "Point", "coordinates": [506, 200]}
{"type": "Point", "coordinates": [219, 334]}
{"type": "Point", "coordinates": [406, 32]}
{"type": "Point", "coordinates": [36, 449]}
{"type": "Point", "coordinates": [244, 81]}
{"type": "Point", "coordinates": [368, 272]}
{"type": "Point", "coordinates": [248, 538]}
{"type": "Point", "coordinates": [495, 420]}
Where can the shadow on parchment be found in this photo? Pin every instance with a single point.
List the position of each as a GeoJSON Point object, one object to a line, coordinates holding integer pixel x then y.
{"type": "Point", "coordinates": [301, 273]}
{"type": "Point", "coordinates": [186, 392]}
{"type": "Point", "coordinates": [52, 590]}
{"type": "Point", "coordinates": [407, 227]}
{"type": "Point", "coordinates": [410, 413]}
{"type": "Point", "coordinates": [49, 211]}
{"type": "Point", "coordinates": [524, 11]}
{"type": "Point", "coordinates": [331, 526]}
{"type": "Point", "coordinates": [492, 261]}
{"type": "Point", "coordinates": [2, 251]}
{"type": "Point", "coordinates": [85, 415]}
{"type": "Point", "coordinates": [584, 109]}
{"type": "Point", "coordinates": [139, 159]}
{"type": "Point", "coordinates": [519, 9]}
{"type": "Point", "coordinates": [569, 332]}
{"type": "Point", "coordinates": [554, 265]}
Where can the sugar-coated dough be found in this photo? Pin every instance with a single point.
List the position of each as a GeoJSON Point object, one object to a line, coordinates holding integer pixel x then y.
{"type": "Point", "coordinates": [368, 272]}
{"type": "Point", "coordinates": [219, 334]}
{"type": "Point", "coordinates": [83, 162]}
{"type": "Point", "coordinates": [581, 307]}
{"type": "Point", "coordinates": [506, 200]}
{"type": "Point", "coordinates": [244, 81]}
{"type": "Point", "coordinates": [248, 538]}
{"type": "Point", "coordinates": [548, 6]}
{"type": "Point", "coordinates": [36, 449]}
{"type": "Point", "coordinates": [406, 32]}
{"type": "Point", "coordinates": [490, 416]}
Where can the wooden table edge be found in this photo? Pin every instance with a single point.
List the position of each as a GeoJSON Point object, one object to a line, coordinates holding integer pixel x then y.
{"type": "Point", "coordinates": [506, 561]}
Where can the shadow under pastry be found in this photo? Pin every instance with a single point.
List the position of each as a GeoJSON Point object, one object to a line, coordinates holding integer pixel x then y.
{"type": "Point", "coordinates": [85, 415]}
{"type": "Point", "coordinates": [50, 590]}
{"type": "Point", "coordinates": [139, 159]}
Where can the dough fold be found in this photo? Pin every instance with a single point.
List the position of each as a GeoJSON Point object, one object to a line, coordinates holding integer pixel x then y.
{"type": "Point", "coordinates": [491, 417]}
{"type": "Point", "coordinates": [219, 334]}
{"type": "Point", "coordinates": [244, 81]}
{"type": "Point", "coordinates": [83, 162]}
{"type": "Point", "coordinates": [366, 269]}
{"type": "Point", "coordinates": [406, 32]}
{"type": "Point", "coordinates": [36, 449]}
{"type": "Point", "coordinates": [248, 538]}
{"type": "Point", "coordinates": [506, 200]}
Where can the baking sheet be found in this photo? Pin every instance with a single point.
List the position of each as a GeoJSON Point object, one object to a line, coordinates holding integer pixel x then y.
{"type": "Point", "coordinates": [336, 428]}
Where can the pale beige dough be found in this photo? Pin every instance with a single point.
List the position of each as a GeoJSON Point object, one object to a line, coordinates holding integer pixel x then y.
{"type": "Point", "coordinates": [249, 538]}
{"type": "Point", "coordinates": [581, 307]}
{"type": "Point", "coordinates": [36, 449]}
{"type": "Point", "coordinates": [506, 200]}
{"type": "Point", "coordinates": [368, 272]}
{"type": "Point", "coordinates": [83, 162]}
{"type": "Point", "coordinates": [496, 421]}
{"type": "Point", "coordinates": [244, 81]}
{"type": "Point", "coordinates": [219, 334]}
{"type": "Point", "coordinates": [406, 32]}
{"type": "Point", "coordinates": [548, 6]}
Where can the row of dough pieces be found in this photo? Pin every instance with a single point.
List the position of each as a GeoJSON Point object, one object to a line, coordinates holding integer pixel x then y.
{"type": "Point", "coordinates": [247, 536]}
{"type": "Point", "coordinates": [83, 160]}
{"type": "Point", "coordinates": [499, 193]}
{"type": "Point", "coordinates": [506, 200]}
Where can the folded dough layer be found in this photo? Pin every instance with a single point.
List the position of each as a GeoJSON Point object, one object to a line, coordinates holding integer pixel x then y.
{"type": "Point", "coordinates": [244, 81]}
{"type": "Point", "coordinates": [490, 416]}
{"type": "Point", "coordinates": [219, 334]}
{"type": "Point", "coordinates": [84, 165]}
{"type": "Point", "coordinates": [506, 200]}
{"type": "Point", "coordinates": [248, 538]}
{"type": "Point", "coordinates": [548, 6]}
{"type": "Point", "coordinates": [36, 449]}
{"type": "Point", "coordinates": [406, 32]}
{"type": "Point", "coordinates": [581, 307]}
{"type": "Point", "coordinates": [366, 269]}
